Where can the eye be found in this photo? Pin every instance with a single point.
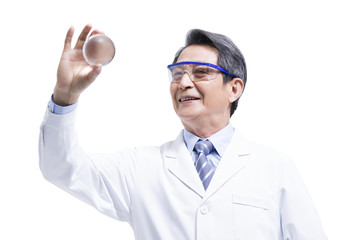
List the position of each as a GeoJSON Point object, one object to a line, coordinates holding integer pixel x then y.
{"type": "Point", "coordinates": [177, 74]}
{"type": "Point", "coordinates": [202, 70]}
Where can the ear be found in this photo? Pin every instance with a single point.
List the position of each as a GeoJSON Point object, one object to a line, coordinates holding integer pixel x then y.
{"type": "Point", "coordinates": [236, 88]}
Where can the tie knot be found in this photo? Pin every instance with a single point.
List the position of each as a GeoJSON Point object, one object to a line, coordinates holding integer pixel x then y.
{"type": "Point", "coordinates": [204, 146]}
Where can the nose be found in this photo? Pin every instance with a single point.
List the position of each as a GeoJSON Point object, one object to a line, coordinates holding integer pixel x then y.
{"type": "Point", "coordinates": [186, 81]}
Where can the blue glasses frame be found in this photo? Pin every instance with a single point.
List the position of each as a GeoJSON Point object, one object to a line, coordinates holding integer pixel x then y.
{"type": "Point", "coordinates": [201, 63]}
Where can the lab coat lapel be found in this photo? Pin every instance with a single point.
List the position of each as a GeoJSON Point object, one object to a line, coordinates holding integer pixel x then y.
{"type": "Point", "coordinates": [179, 162]}
{"type": "Point", "coordinates": [234, 160]}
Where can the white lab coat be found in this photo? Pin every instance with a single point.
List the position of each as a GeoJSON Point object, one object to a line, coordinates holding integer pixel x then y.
{"type": "Point", "coordinates": [255, 194]}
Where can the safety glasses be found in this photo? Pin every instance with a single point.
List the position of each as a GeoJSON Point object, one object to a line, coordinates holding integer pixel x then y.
{"type": "Point", "coordinates": [197, 71]}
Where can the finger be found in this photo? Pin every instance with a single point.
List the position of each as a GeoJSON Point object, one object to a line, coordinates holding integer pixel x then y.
{"type": "Point", "coordinates": [82, 37]}
{"type": "Point", "coordinates": [68, 38]}
{"type": "Point", "coordinates": [96, 31]}
{"type": "Point", "coordinates": [94, 73]}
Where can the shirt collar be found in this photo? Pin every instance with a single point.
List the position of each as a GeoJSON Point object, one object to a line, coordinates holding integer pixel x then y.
{"type": "Point", "coordinates": [220, 140]}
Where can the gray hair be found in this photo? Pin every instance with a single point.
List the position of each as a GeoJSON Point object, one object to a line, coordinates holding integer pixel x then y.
{"type": "Point", "coordinates": [229, 58]}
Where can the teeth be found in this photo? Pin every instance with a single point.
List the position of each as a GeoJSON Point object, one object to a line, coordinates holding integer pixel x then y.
{"type": "Point", "coordinates": [187, 99]}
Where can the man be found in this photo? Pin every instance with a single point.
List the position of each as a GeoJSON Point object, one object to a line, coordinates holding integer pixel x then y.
{"type": "Point", "coordinates": [209, 183]}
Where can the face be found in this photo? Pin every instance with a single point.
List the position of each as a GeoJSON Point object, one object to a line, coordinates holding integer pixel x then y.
{"type": "Point", "coordinates": [201, 102]}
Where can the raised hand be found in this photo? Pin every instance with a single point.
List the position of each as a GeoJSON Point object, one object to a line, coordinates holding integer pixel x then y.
{"type": "Point", "coordinates": [74, 74]}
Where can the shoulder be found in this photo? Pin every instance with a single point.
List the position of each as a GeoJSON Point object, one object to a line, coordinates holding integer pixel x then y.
{"type": "Point", "coordinates": [279, 165]}
{"type": "Point", "coordinates": [142, 153]}
{"type": "Point", "coordinates": [268, 153]}
{"type": "Point", "coordinates": [264, 155]}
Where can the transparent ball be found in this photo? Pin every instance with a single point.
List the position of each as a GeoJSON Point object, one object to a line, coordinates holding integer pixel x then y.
{"type": "Point", "coordinates": [98, 49]}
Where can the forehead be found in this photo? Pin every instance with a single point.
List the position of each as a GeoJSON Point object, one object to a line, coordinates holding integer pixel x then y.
{"type": "Point", "coordinates": [199, 53]}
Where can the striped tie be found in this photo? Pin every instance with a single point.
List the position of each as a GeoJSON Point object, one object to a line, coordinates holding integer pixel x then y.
{"type": "Point", "coordinates": [203, 166]}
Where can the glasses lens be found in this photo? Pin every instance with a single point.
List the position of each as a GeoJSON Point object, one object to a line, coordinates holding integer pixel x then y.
{"type": "Point", "coordinates": [204, 73]}
{"type": "Point", "coordinates": [196, 72]}
{"type": "Point", "coordinates": [176, 73]}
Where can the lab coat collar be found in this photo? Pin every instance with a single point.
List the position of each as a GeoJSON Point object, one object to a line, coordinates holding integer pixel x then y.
{"type": "Point", "coordinates": [235, 159]}
{"type": "Point", "coordinates": [178, 161]}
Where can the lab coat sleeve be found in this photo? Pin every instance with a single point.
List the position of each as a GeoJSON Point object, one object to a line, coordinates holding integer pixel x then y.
{"type": "Point", "coordinates": [103, 181]}
{"type": "Point", "coordinates": [299, 218]}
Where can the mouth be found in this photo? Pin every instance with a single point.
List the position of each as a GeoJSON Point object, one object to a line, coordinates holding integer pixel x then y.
{"type": "Point", "coordinates": [188, 99]}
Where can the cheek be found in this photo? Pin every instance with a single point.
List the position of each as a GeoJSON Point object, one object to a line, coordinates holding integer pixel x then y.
{"type": "Point", "coordinates": [173, 90]}
{"type": "Point", "coordinates": [215, 95]}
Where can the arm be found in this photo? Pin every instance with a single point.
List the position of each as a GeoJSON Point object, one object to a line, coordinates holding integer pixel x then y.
{"type": "Point", "coordinates": [103, 181]}
{"type": "Point", "coordinates": [299, 218]}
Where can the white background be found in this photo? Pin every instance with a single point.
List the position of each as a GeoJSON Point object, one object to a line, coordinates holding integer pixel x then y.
{"type": "Point", "coordinates": [302, 98]}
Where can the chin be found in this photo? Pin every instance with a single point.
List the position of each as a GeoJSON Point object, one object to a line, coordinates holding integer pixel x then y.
{"type": "Point", "coordinates": [188, 116]}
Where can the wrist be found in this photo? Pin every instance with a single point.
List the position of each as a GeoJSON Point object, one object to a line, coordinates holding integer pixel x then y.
{"type": "Point", "coordinates": [60, 110]}
{"type": "Point", "coordinates": [63, 99]}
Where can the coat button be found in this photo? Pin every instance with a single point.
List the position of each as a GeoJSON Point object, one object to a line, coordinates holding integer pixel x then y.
{"type": "Point", "coordinates": [204, 210]}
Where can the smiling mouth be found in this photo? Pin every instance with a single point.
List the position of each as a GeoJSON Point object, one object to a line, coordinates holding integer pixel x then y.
{"type": "Point", "coordinates": [188, 99]}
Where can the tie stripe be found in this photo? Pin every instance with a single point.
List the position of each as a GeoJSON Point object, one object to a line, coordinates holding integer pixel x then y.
{"type": "Point", "coordinates": [203, 166]}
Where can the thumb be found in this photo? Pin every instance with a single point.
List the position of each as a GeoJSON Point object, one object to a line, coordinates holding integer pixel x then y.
{"type": "Point", "coordinates": [94, 72]}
